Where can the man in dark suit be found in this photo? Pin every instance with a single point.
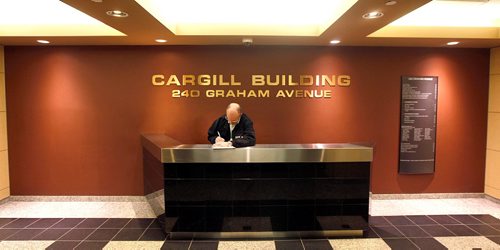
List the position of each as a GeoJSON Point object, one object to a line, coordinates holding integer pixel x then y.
{"type": "Point", "coordinates": [235, 127]}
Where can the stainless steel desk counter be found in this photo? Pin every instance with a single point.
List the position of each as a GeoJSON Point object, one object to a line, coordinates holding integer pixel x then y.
{"type": "Point", "coordinates": [167, 150]}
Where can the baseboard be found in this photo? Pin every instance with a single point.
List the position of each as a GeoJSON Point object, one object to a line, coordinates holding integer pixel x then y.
{"type": "Point", "coordinates": [78, 198]}
{"type": "Point", "coordinates": [426, 196]}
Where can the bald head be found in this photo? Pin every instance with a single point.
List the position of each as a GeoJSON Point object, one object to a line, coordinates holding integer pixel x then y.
{"type": "Point", "coordinates": [233, 113]}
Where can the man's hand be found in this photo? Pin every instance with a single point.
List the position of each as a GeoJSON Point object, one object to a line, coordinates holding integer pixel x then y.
{"type": "Point", "coordinates": [219, 139]}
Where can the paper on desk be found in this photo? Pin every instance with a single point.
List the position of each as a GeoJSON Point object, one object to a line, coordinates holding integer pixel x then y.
{"type": "Point", "coordinates": [222, 145]}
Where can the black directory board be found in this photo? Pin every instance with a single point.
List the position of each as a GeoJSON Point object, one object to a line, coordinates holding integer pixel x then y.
{"type": "Point", "coordinates": [417, 132]}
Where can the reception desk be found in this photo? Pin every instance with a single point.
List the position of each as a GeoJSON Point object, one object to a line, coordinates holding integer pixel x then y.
{"type": "Point", "coordinates": [268, 190]}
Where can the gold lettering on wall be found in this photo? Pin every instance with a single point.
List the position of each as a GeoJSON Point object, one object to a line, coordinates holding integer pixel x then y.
{"type": "Point", "coordinates": [314, 85]}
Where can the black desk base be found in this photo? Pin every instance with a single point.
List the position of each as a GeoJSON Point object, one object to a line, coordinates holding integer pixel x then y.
{"type": "Point", "coordinates": [260, 200]}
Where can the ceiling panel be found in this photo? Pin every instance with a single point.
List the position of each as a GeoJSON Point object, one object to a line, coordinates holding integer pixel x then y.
{"type": "Point", "coordinates": [142, 27]}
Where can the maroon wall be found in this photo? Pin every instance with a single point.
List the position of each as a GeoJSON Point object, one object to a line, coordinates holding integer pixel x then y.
{"type": "Point", "coordinates": [75, 114]}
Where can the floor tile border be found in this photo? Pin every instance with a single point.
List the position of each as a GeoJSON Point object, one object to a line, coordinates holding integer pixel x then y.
{"type": "Point", "coordinates": [158, 193]}
{"type": "Point", "coordinates": [492, 199]}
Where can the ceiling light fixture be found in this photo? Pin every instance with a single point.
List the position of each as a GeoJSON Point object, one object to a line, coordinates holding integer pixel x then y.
{"type": "Point", "coordinates": [334, 41]}
{"type": "Point", "coordinates": [373, 15]}
{"type": "Point", "coordinates": [161, 40]}
{"type": "Point", "coordinates": [117, 13]}
{"type": "Point", "coordinates": [390, 3]}
{"type": "Point", "coordinates": [97, 1]}
{"type": "Point", "coordinates": [42, 41]}
{"type": "Point", "coordinates": [247, 41]}
{"type": "Point", "coordinates": [452, 43]}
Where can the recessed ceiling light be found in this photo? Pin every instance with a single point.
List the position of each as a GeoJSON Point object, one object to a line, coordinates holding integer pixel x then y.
{"type": "Point", "coordinates": [334, 41]}
{"type": "Point", "coordinates": [161, 40]}
{"type": "Point", "coordinates": [452, 43]}
{"type": "Point", "coordinates": [117, 13]}
{"type": "Point", "coordinates": [373, 15]}
{"type": "Point", "coordinates": [97, 1]}
{"type": "Point", "coordinates": [42, 41]}
{"type": "Point", "coordinates": [389, 3]}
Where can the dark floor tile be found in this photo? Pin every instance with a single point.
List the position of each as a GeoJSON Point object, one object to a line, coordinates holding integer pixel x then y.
{"type": "Point", "coordinates": [437, 231]}
{"type": "Point", "coordinates": [288, 244]}
{"type": "Point", "coordinates": [115, 223]}
{"type": "Point", "coordinates": [421, 220]}
{"type": "Point", "coordinates": [20, 223]}
{"type": "Point", "coordinates": [103, 234]}
{"type": "Point", "coordinates": [51, 234]}
{"type": "Point", "coordinates": [77, 234]}
{"type": "Point", "coordinates": [486, 218]}
{"type": "Point", "coordinates": [370, 233]}
{"type": "Point", "coordinates": [91, 245]}
{"type": "Point", "coordinates": [44, 223]}
{"type": "Point", "coordinates": [495, 239]}
{"type": "Point", "coordinates": [485, 230]}
{"type": "Point", "coordinates": [175, 245]}
{"type": "Point", "coordinates": [91, 223]}
{"type": "Point", "coordinates": [399, 220]}
{"type": "Point", "coordinates": [412, 231]}
{"type": "Point", "coordinates": [139, 223]}
{"type": "Point", "coordinates": [317, 244]}
{"type": "Point", "coordinates": [387, 232]}
{"type": "Point", "coordinates": [444, 219]}
{"type": "Point", "coordinates": [155, 224]}
{"type": "Point", "coordinates": [428, 243]}
{"type": "Point", "coordinates": [496, 226]}
{"type": "Point", "coordinates": [467, 219]}
{"type": "Point", "coordinates": [67, 223]}
{"type": "Point", "coordinates": [378, 221]}
{"type": "Point", "coordinates": [6, 233]}
{"type": "Point", "coordinates": [403, 244]}
{"type": "Point", "coordinates": [161, 217]}
{"type": "Point", "coordinates": [129, 234]}
{"type": "Point", "coordinates": [461, 230]}
{"type": "Point", "coordinates": [204, 245]}
{"type": "Point", "coordinates": [63, 245]}
{"type": "Point", "coordinates": [25, 234]}
{"type": "Point", "coordinates": [154, 234]}
{"type": "Point", "coordinates": [5, 221]}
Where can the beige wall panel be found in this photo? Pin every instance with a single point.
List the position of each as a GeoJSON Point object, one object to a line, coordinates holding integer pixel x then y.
{"type": "Point", "coordinates": [3, 130]}
{"type": "Point", "coordinates": [4, 193]}
{"type": "Point", "coordinates": [2, 92]}
{"type": "Point", "coordinates": [492, 171]}
{"type": "Point", "coordinates": [492, 175]}
{"type": "Point", "coordinates": [492, 192]}
{"type": "Point", "coordinates": [2, 64]}
{"type": "Point", "coordinates": [4, 169]}
{"type": "Point", "coordinates": [494, 98]}
{"type": "Point", "coordinates": [495, 61]}
{"type": "Point", "coordinates": [493, 131]}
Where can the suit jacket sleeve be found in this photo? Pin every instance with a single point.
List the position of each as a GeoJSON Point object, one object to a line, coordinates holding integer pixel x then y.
{"type": "Point", "coordinates": [212, 131]}
{"type": "Point", "coordinates": [248, 138]}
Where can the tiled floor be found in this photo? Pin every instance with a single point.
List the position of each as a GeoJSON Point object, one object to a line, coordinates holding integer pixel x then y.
{"type": "Point", "coordinates": [386, 232]}
{"type": "Point", "coordinates": [427, 226]}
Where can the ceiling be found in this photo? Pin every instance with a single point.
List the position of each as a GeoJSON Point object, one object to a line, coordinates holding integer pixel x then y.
{"type": "Point", "coordinates": [141, 27]}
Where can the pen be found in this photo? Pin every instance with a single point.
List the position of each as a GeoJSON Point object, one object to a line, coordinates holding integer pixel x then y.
{"type": "Point", "coordinates": [218, 133]}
